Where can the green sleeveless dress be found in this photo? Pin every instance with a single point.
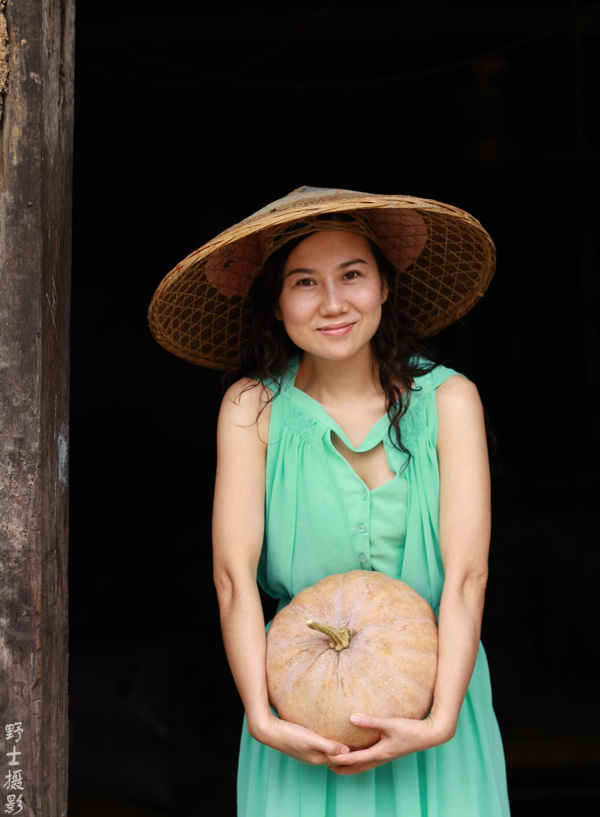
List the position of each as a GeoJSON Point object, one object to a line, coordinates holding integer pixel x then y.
{"type": "Point", "coordinates": [322, 519]}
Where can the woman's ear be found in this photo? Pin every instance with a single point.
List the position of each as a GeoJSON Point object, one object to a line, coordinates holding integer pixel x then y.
{"type": "Point", "coordinates": [277, 312]}
{"type": "Point", "coordinates": [385, 290]}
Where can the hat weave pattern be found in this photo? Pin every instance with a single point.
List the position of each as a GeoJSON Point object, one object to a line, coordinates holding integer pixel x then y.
{"type": "Point", "coordinates": [443, 256]}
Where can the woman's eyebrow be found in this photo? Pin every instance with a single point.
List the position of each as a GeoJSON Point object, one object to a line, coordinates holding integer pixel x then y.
{"type": "Point", "coordinates": [303, 270]}
{"type": "Point", "coordinates": [354, 261]}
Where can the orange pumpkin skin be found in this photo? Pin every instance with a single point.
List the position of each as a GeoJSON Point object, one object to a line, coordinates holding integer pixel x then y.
{"type": "Point", "coordinates": [387, 670]}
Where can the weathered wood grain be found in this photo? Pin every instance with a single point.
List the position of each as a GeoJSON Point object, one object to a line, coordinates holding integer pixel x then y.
{"type": "Point", "coordinates": [36, 128]}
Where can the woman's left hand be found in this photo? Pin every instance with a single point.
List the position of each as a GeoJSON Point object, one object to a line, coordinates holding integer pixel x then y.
{"type": "Point", "coordinates": [399, 737]}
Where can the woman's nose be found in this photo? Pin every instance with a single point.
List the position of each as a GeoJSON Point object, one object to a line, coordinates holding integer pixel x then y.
{"type": "Point", "coordinates": [333, 301]}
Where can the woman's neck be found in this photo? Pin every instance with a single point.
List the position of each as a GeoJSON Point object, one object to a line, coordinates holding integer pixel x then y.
{"type": "Point", "coordinates": [339, 381]}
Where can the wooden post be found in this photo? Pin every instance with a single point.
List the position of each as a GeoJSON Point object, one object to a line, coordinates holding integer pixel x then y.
{"type": "Point", "coordinates": [36, 127]}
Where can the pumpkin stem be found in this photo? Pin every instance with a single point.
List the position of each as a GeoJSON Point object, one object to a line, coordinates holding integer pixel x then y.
{"type": "Point", "coordinates": [339, 636]}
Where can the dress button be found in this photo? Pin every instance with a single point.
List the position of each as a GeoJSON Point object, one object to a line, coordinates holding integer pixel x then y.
{"type": "Point", "coordinates": [362, 557]}
{"type": "Point", "coordinates": [362, 528]}
{"type": "Point", "coordinates": [365, 493]}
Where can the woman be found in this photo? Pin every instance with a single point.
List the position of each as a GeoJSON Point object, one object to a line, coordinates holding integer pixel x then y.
{"type": "Point", "coordinates": [340, 447]}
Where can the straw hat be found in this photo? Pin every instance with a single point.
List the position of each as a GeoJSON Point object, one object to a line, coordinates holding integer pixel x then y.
{"type": "Point", "coordinates": [443, 256]}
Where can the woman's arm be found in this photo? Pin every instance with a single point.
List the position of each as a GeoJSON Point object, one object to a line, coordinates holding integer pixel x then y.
{"type": "Point", "coordinates": [238, 528]}
{"type": "Point", "coordinates": [464, 537]}
{"type": "Point", "coordinates": [465, 526]}
{"type": "Point", "coordinates": [238, 524]}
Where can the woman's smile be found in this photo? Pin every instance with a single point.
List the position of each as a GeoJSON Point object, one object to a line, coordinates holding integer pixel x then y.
{"type": "Point", "coordinates": [336, 330]}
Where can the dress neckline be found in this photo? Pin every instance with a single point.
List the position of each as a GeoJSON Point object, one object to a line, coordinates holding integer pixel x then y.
{"type": "Point", "coordinates": [377, 433]}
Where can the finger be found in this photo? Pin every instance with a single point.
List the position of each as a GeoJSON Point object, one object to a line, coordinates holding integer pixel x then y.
{"type": "Point", "coordinates": [355, 758]}
{"type": "Point", "coordinates": [372, 754]}
{"type": "Point", "coordinates": [369, 722]}
{"type": "Point", "coordinates": [330, 748]}
{"type": "Point", "coordinates": [338, 749]}
{"type": "Point", "coordinates": [323, 746]}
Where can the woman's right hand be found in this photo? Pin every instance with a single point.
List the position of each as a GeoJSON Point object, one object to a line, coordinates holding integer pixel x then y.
{"type": "Point", "coordinates": [298, 742]}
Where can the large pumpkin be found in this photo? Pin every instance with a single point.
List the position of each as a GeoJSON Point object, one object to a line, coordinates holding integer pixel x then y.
{"type": "Point", "coordinates": [353, 642]}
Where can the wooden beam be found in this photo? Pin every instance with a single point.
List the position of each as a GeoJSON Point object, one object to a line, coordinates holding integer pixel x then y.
{"type": "Point", "coordinates": [36, 138]}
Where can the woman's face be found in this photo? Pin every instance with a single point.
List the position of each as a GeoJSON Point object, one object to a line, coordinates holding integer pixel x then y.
{"type": "Point", "coordinates": [332, 294]}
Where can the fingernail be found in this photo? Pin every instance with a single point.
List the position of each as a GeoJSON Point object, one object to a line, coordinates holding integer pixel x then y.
{"type": "Point", "coordinates": [354, 718]}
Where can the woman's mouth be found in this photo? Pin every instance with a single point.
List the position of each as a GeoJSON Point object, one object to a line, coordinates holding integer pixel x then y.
{"type": "Point", "coordinates": [336, 330]}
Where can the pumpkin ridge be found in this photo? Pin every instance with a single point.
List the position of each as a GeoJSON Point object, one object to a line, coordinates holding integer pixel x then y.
{"type": "Point", "coordinates": [288, 655]}
{"type": "Point", "coordinates": [377, 595]}
{"type": "Point", "coordinates": [319, 711]}
{"type": "Point", "coordinates": [406, 635]}
{"type": "Point", "coordinates": [427, 660]}
{"type": "Point", "coordinates": [349, 598]}
{"type": "Point", "coordinates": [394, 647]}
{"type": "Point", "coordinates": [399, 692]}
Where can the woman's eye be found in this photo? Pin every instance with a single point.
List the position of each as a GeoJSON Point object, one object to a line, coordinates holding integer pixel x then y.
{"type": "Point", "coordinates": [304, 282]}
{"type": "Point", "coordinates": [353, 273]}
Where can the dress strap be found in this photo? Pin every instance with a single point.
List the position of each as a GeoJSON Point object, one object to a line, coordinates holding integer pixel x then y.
{"type": "Point", "coordinates": [431, 380]}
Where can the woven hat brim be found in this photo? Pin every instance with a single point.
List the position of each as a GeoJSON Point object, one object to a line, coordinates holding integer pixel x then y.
{"type": "Point", "coordinates": [191, 318]}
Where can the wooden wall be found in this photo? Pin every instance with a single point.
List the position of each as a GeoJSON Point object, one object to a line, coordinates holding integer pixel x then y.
{"type": "Point", "coordinates": [35, 246]}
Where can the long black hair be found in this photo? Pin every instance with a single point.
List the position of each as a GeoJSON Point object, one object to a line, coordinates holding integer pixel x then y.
{"type": "Point", "coordinates": [399, 353]}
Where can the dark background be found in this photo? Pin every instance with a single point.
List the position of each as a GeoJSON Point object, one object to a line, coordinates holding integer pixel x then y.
{"type": "Point", "coordinates": [189, 118]}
